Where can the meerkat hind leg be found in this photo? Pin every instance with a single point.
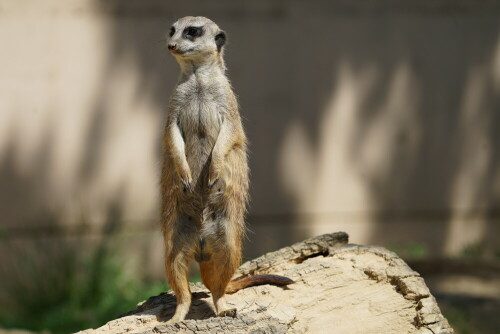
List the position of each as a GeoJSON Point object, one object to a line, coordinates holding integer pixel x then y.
{"type": "Point", "coordinates": [216, 274]}
{"type": "Point", "coordinates": [178, 280]}
{"type": "Point", "coordinates": [176, 266]}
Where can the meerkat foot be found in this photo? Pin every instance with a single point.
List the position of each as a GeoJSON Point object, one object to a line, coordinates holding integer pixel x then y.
{"type": "Point", "coordinates": [228, 313]}
{"type": "Point", "coordinates": [223, 310]}
{"type": "Point", "coordinates": [180, 313]}
{"type": "Point", "coordinates": [175, 318]}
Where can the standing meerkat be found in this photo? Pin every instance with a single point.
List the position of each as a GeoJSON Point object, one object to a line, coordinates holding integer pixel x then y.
{"type": "Point", "coordinates": [205, 170]}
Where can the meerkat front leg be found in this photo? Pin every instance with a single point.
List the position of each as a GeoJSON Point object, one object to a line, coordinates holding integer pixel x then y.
{"type": "Point", "coordinates": [225, 141]}
{"type": "Point", "coordinates": [176, 148]}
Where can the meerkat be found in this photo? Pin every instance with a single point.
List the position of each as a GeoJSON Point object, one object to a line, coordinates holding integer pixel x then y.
{"type": "Point", "coordinates": [205, 171]}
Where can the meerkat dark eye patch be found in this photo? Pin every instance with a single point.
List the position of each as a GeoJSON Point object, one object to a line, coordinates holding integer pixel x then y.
{"type": "Point", "coordinates": [220, 40]}
{"type": "Point", "coordinates": [172, 32]}
{"type": "Point", "coordinates": [192, 32]}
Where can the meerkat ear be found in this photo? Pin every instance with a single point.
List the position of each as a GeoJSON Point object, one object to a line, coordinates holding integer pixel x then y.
{"type": "Point", "coordinates": [220, 40]}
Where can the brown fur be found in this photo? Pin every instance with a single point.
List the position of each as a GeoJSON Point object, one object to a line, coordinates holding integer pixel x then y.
{"type": "Point", "coordinates": [205, 172]}
{"type": "Point", "coordinates": [255, 280]}
{"type": "Point", "coordinates": [205, 184]}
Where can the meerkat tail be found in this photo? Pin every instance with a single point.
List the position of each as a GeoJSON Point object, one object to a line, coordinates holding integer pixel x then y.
{"type": "Point", "coordinates": [255, 280]}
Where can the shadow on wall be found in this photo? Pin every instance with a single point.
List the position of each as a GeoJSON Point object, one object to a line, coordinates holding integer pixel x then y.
{"type": "Point", "coordinates": [380, 121]}
{"type": "Point", "coordinates": [406, 146]}
{"type": "Point", "coordinates": [64, 283]}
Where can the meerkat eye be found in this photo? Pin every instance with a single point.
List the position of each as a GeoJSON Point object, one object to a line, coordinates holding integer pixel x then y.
{"type": "Point", "coordinates": [172, 32]}
{"type": "Point", "coordinates": [192, 32]}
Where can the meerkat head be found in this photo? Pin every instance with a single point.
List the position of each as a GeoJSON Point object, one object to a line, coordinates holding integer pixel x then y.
{"type": "Point", "coordinates": [196, 39]}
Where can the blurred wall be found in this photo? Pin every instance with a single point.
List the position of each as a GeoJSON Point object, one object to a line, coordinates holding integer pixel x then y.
{"type": "Point", "coordinates": [380, 119]}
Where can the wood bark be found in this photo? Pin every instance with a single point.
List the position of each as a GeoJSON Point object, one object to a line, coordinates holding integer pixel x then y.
{"type": "Point", "coordinates": [339, 288]}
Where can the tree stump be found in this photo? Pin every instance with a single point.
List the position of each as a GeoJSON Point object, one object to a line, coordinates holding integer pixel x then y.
{"type": "Point", "coordinates": [339, 288]}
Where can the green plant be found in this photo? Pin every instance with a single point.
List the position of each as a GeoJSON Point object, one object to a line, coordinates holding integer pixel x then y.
{"type": "Point", "coordinates": [53, 287]}
{"type": "Point", "coordinates": [473, 250]}
{"type": "Point", "coordinates": [410, 250]}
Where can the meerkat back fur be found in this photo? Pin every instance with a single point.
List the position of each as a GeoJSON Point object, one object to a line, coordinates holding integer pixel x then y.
{"type": "Point", "coordinates": [205, 170]}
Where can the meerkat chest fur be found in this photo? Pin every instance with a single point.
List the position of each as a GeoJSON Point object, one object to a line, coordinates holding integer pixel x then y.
{"type": "Point", "coordinates": [200, 101]}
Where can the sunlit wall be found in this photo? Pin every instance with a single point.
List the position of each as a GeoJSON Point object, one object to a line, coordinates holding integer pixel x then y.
{"type": "Point", "coordinates": [381, 120]}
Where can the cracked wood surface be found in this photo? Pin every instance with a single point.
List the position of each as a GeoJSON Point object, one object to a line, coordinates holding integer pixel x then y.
{"type": "Point", "coordinates": [339, 288]}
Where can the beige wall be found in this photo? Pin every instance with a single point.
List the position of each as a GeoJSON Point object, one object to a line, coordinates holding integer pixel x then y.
{"type": "Point", "coordinates": [380, 120]}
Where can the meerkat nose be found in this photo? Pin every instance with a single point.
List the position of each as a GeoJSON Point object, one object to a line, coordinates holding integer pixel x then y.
{"type": "Point", "coordinates": [172, 46]}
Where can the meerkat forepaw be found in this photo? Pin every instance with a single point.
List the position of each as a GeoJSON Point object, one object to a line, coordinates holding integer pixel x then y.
{"type": "Point", "coordinates": [212, 182]}
{"type": "Point", "coordinates": [187, 182]}
{"type": "Point", "coordinates": [187, 185]}
{"type": "Point", "coordinates": [213, 175]}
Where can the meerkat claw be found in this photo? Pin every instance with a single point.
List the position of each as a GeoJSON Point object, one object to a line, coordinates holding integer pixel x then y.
{"type": "Point", "coordinates": [213, 182]}
{"type": "Point", "coordinates": [228, 313]}
{"type": "Point", "coordinates": [187, 185]}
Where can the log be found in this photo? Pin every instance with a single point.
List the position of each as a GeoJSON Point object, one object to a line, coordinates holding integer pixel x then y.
{"type": "Point", "coordinates": [339, 288]}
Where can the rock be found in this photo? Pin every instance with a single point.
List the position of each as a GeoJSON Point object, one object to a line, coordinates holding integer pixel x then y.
{"type": "Point", "coordinates": [339, 288]}
{"type": "Point", "coordinates": [20, 331]}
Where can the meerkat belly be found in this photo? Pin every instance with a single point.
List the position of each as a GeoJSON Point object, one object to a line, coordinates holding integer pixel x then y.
{"type": "Point", "coordinates": [200, 129]}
